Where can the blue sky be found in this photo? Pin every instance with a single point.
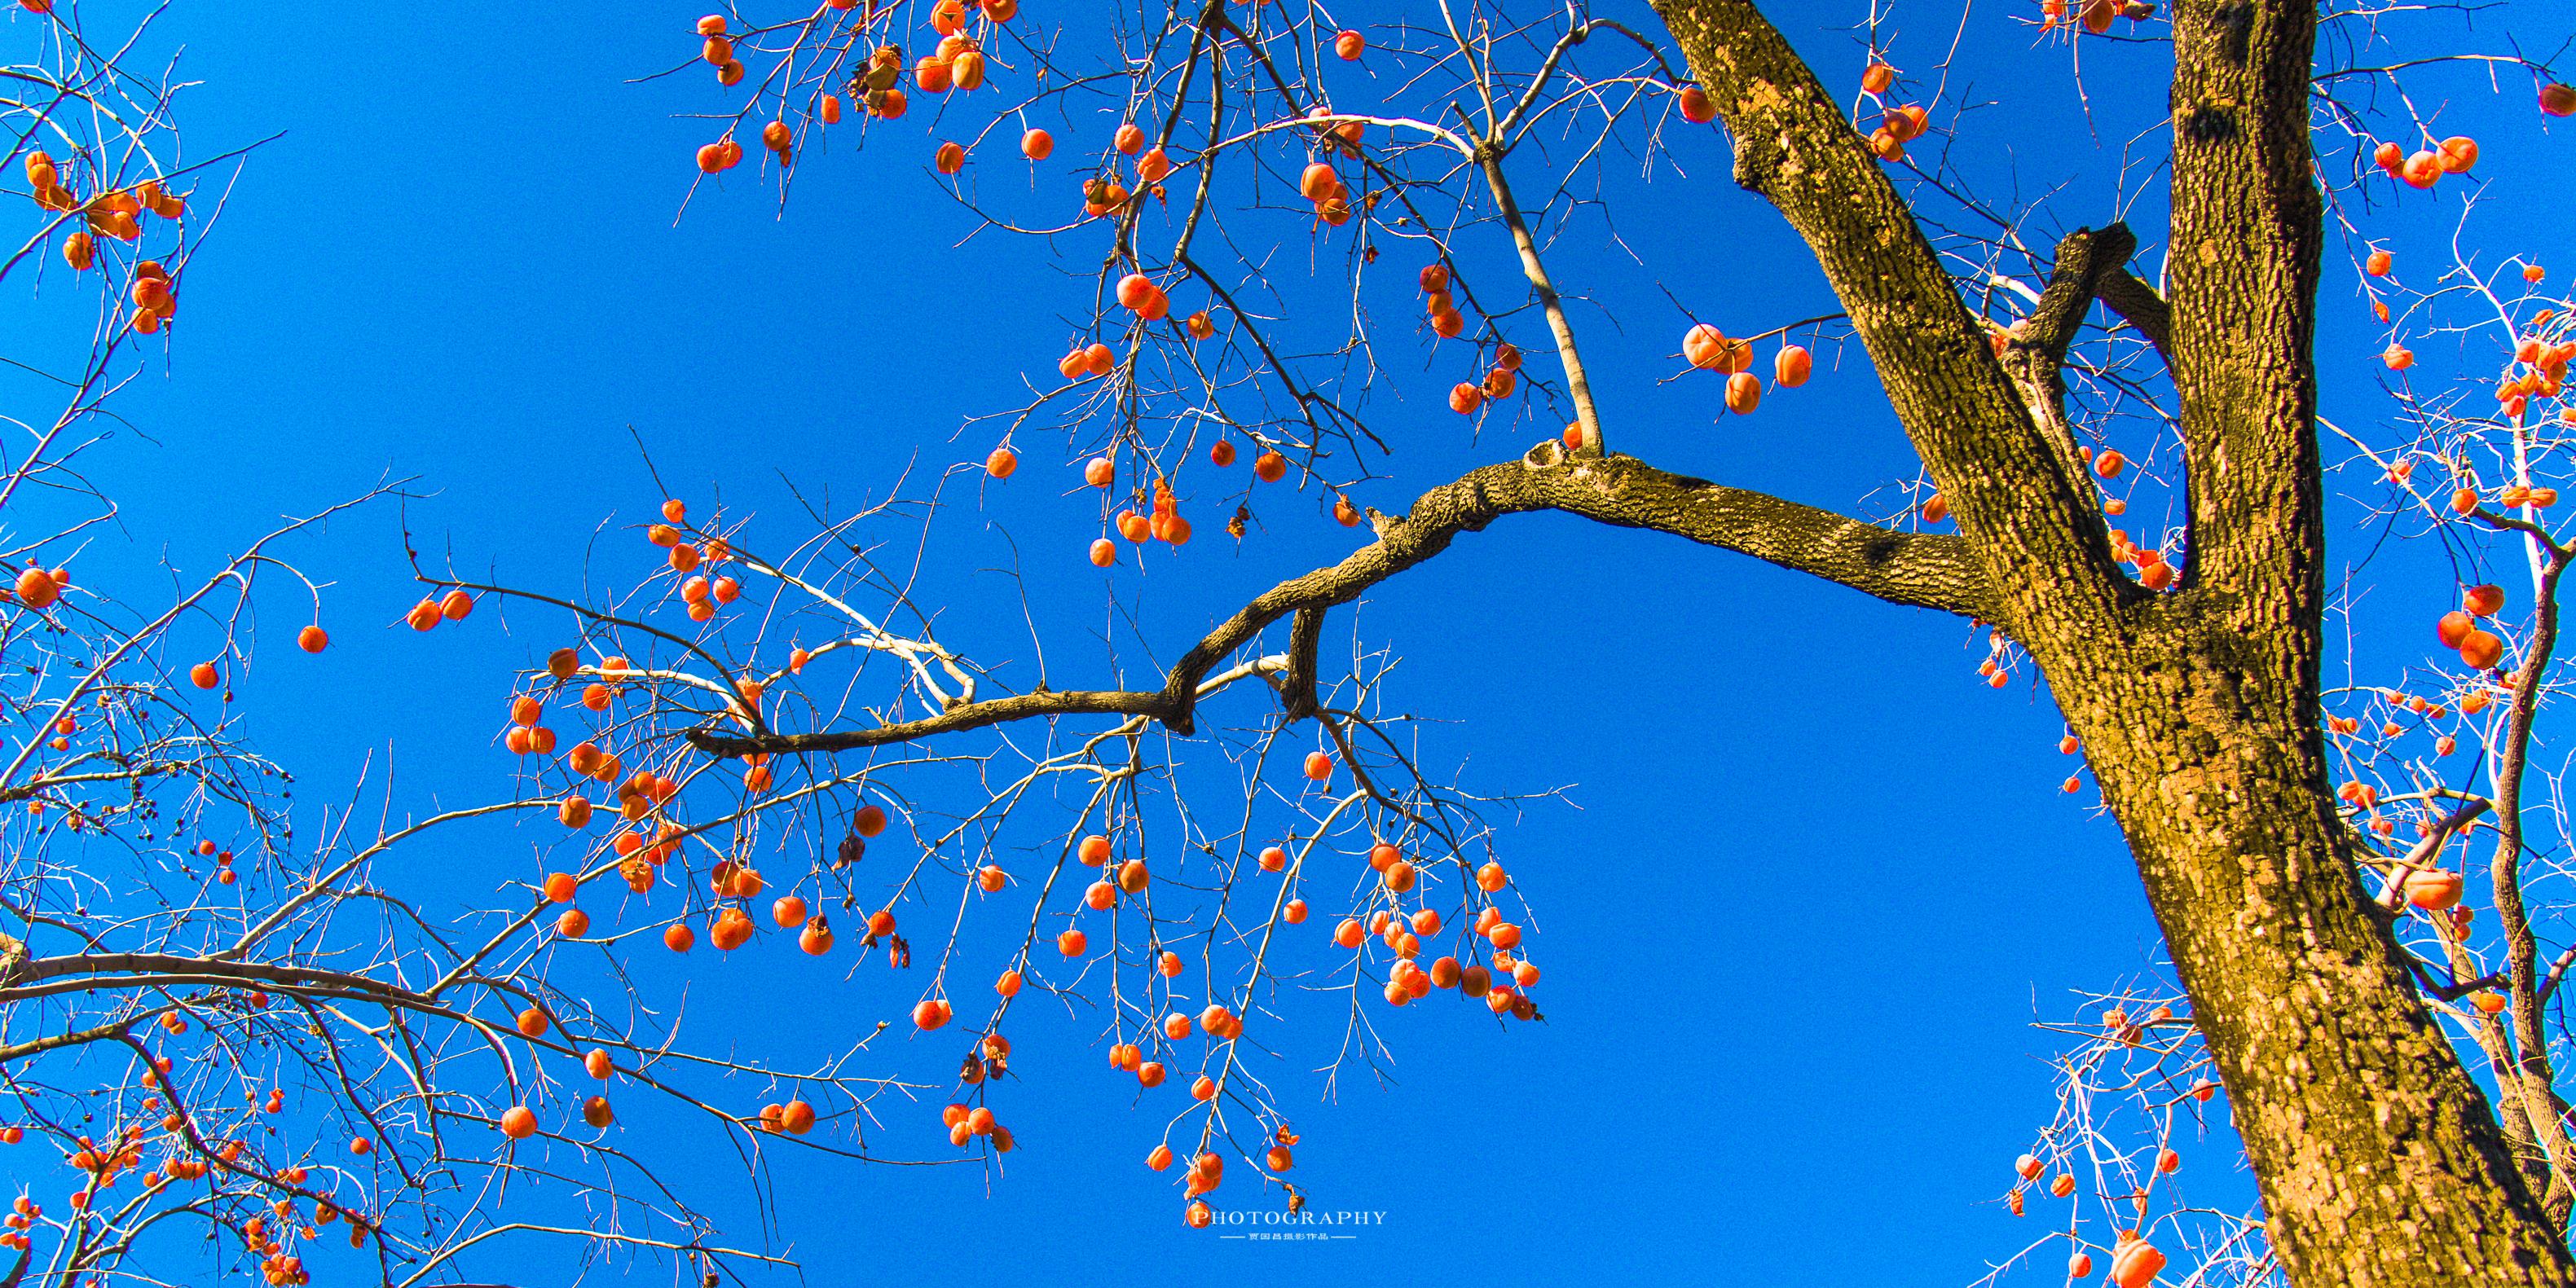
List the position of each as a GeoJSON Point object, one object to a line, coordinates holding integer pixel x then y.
{"type": "Point", "coordinates": [1811, 880]}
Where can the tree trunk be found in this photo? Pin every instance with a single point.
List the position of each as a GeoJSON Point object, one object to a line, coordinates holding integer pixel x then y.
{"type": "Point", "coordinates": [2380, 1162]}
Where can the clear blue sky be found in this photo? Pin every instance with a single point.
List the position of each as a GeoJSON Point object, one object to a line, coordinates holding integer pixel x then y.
{"type": "Point", "coordinates": [1812, 880]}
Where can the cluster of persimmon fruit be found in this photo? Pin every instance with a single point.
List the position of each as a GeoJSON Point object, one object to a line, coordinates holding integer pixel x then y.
{"type": "Point", "coordinates": [1502, 986]}
{"type": "Point", "coordinates": [2538, 368]}
{"type": "Point", "coordinates": [1159, 519]}
{"type": "Point", "coordinates": [1709, 349]}
{"type": "Point", "coordinates": [651, 838]}
{"type": "Point", "coordinates": [2135, 1262]}
{"type": "Point", "coordinates": [116, 213]}
{"type": "Point", "coordinates": [2425, 167]}
{"type": "Point", "coordinates": [2433, 889]}
{"type": "Point", "coordinates": [1322, 186]}
{"type": "Point", "coordinates": [957, 63]}
{"type": "Point", "coordinates": [2094, 15]}
{"type": "Point", "coordinates": [102, 1164]}
{"type": "Point", "coordinates": [1898, 123]}
{"type": "Point", "coordinates": [2479, 648]}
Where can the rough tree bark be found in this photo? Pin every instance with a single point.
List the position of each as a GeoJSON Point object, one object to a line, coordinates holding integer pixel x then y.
{"type": "Point", "coordinates": [2379, 1160]}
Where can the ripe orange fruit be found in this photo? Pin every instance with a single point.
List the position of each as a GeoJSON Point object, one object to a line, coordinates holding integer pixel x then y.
{"type": "Point", "coordinates": [2434, 889]}
{"type": "Point", "coordinates": [1001, 462]}
{"type": "Point", "coordinates": [1349, 45]}
{"type": "Point", "coordinates": [518, 1122]}
{"type": "Point", "coordinates": [204, 675]}
{"type": "Point", "coordinates": [38, 588]}
{"type": "Point", "coordinates": [2135, 1265]}
{"type": "Point", "coordinates": [1705, 347]}
{"type": "Point", "coordinates": [2480, 651]}
{"type": "Point", "coordinates": [312, 639]}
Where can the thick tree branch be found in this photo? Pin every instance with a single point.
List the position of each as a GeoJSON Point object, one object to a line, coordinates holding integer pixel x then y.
{"type": "Point", "coordinates": [2030, 518]}
{"type": "Point", "coordinates": [2243, 273]}
{"type": "Point", "coordinates": [2137, 302]}
{"type": "Point", "coordinates": [2085, 261]}
{"type": "Point", "coordinates": [2034, 352]}
{"type": "Point", "coordinates": [1305, 640]}
{"type": "Point", "coordinates": [1928, 571]}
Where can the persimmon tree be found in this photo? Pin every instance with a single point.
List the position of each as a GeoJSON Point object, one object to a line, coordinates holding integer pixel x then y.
{"type": "Point", "coordinates": [1290, 237]}
{"type": "Point", "coordinates": [2028, 372]}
